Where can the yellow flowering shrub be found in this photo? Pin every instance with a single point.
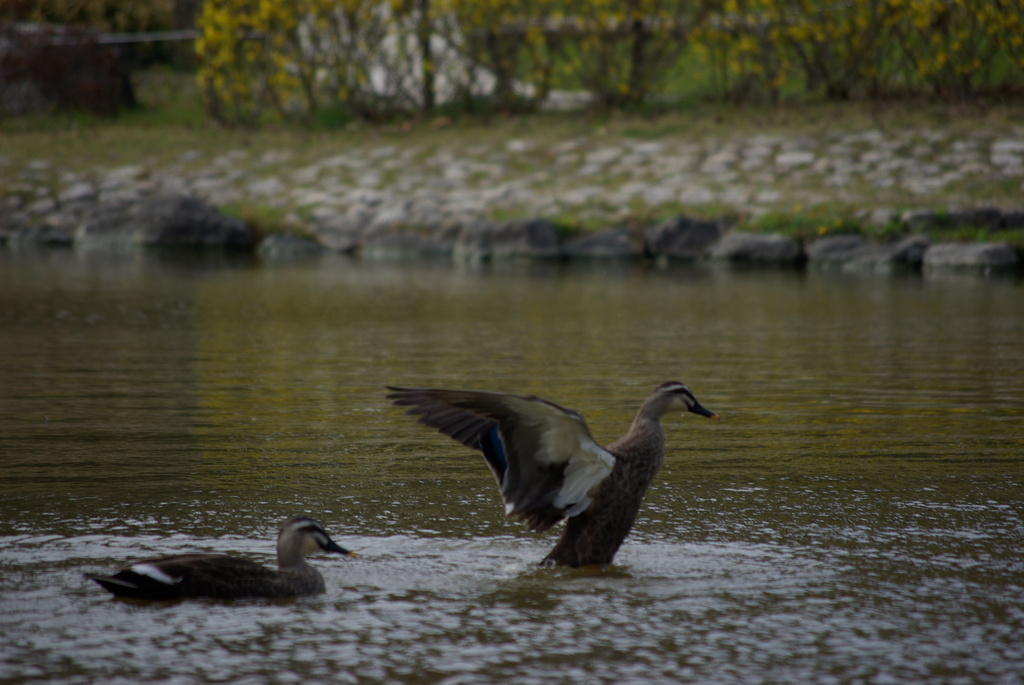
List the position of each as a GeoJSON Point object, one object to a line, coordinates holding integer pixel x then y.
{"type": "Point", "coordinates": [742, 48]}
{"type": "Point", "coordinates": [831, 47]}
{"type": "Point", "coordinates": [947, 43]}
{"type": "Point", "coordinates": [297, 58]}
{"type": "Point", "coordinates": [1004, 19]}
{"type": "Point", "coordinates": [293, 59]}
{"type": "Point", "coordinates": [863, 47]}
{"type": "Point", "coordinates": [620, 50]}
{"type": "Point", "coordinates": [839, 45]}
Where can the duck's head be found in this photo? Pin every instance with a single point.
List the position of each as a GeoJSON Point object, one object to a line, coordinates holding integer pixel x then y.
{"type": "Point", "coordinates": [306, 536]}
{"type": "Point", "coordinates": [675, 395]}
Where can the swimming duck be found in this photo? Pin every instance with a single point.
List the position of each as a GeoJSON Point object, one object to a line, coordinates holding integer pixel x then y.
{"type": "Point", "coordinates": [221, 576]}
{"type": "Point", "coordinates": [548, 466]}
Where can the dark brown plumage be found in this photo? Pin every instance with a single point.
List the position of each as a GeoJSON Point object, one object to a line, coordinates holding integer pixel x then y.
{"type": "Point", "coordinates": [226, 577]}
{"type": "Point", "coordinates": [549, 467]}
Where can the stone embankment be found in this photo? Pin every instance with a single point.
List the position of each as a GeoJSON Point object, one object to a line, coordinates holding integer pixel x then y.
{"type": "Point", "coordinates": [380, 200]}
{"type": "Point", "coordinates": [185, 221]}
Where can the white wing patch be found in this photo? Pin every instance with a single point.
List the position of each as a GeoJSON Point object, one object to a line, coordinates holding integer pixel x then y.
{"type": "Point", "coordinates": [588, 466]}
{"type": "Point", "coordinates": [566, 439]}
{"type": "Point", "coordinates": [155, 573]}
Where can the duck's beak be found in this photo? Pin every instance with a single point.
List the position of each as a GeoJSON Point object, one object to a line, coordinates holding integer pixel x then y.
{"type": "Point", "coordinates": [699, 409]}
{"type": "Point", "coordinates": [332, 546]}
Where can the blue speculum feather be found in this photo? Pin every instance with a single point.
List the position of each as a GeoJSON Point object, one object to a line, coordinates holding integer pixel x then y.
{"type": "Point", "coordinates": [494, 449]}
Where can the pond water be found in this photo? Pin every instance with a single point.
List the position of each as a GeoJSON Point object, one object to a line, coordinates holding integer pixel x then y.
{"type": "Point", "coordinates": [857, 516]}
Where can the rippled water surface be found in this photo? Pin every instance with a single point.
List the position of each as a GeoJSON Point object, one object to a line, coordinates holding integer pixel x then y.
{"type": "Point", "coordinates": [856, 517]}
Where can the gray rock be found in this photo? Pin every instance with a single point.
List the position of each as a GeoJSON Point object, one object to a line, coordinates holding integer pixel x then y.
{"type": "Point", "coordinates": [121, 195]}
{"type": "Point", "coordinates": [532, 238]}
{"type": "Point", "coordinates": [1012, 218]}
{"type": "Point", "coordinates": [10, 204]}
{"type": "Point", "coordinates": [794, 158]}
{"type": "Point", "coordinates": [402, 244]}
{"type": "Point", "coordinates": [910, 250]}
{"type": "Point", "coordinates": [125, 181]}
{"type": "Point", "coordinates": [869, 258]}
{"type": "Point", "coordinates": [1008, 146]}
{"type": "Point", "coordinates": [11, 219]}
{"type": "Point", "coordinates": [122, 175]}
{"type": "Point", "coordinates": [338, 240]}
{"type": "Point", "coordinates": [83, 191]}
{"type": "Point", "coordinates": [615, 243]}
{"type": "Point", "coordinates": [38, 235]}
{"type": "Point", "coordinates": [970, 255]}
{"type": "Point", "coordinates": [473, 243]}
{"type": "Point", "coordinates": [920, 220]}
{"type": "Point", "coordinates": [879, 217]}
{"type": "Point", "coordinates": [108, 225]}
{"type": "Point", "coordinates": [171, 221]}
{"type": "Point", "coordinates": [738, 246]}
{"type": "Point", "coordinates": [520, 238]}
{"type": "Point", "coordinates": [836, 249]}
{"type": "Point", "coordinates": [682, 238]}
{"type": "Point", "coordinates": [340, 232]}
{"type": "Point", "coordinates": [906, 254]}
{"type": "Point", "coordinates": [390, 217]}
{"type": "Point", "coordinates": [324, 214]}
{"type": "Point", "coordinates": [171, 184]}
{"type": "Point", "coordinates": [986, 218]}
{"type": "Point", "coordinates": [41, 206]}
{"type": "Point", "coordinates": [448, 231]}
{"type": "Point", "coordinates": [280, 245]}
{"type": "Point", "coordinates": [1007, 153]}
{"type": "Point", "coordinates": [187, 221]}
{"type": "Point", "coordinates": [265, 187]}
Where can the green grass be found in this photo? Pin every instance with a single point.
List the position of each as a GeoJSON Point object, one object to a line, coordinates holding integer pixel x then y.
{"type": "Point", "coordinates": [264, 220]}
{"type": "Point", "coordinates": [818, 224]}
{"type": "Point", "coordinates": [806, 226]}
{"type": "Point", "coordinates": [968, 234]}
{"type": "Point", "coordinates": [170, 102]}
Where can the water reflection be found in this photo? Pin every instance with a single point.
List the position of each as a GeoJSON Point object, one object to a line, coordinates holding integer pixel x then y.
{"type": "Point", "coordinates": [856, 516]}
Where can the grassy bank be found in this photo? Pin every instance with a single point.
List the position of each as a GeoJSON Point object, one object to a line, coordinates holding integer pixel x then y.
{"type": "Point", "coordinates": [170, 133]}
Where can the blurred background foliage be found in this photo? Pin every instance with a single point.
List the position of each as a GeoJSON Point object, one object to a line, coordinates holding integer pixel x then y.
{"type": "Point", "coordinates": [337, 60]}
{"type": "Point", "coordinates": [114, 16]}
{"type": "Point", "coordinates": [367, 58]}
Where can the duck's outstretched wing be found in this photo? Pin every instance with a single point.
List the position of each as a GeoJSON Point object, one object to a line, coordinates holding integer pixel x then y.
{"type": "Point", "coordinates": [542, 455]}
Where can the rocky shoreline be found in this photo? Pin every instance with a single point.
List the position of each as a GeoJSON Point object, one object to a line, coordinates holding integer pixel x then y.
{"type": "Point", "coordinates": [181, 220]}
{"type": "Point", "coordinates": [427, 199]}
